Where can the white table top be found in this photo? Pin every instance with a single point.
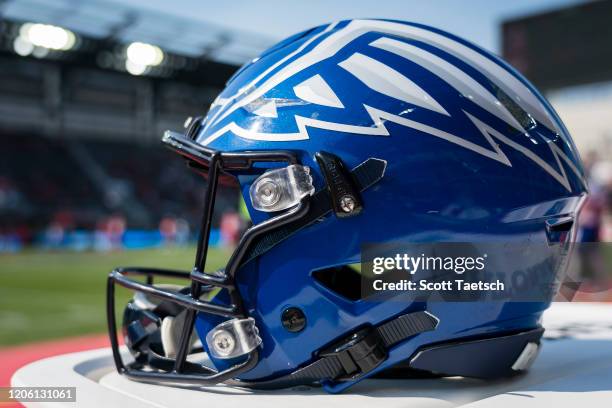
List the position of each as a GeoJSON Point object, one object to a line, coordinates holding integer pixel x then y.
{"type": "Point", "coordinates": [574, 369]}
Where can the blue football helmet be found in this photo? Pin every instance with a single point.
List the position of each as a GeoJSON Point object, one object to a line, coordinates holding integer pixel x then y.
{"type": "Point", "coordinates": [360, 131]}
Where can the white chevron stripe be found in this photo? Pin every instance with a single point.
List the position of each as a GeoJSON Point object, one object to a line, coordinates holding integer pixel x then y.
{"type": "Point", "coordinates": [461, 81]}
{"type": "Point", "coordinates": [329, 46]}
{"type": "Point", "coordinates": [387, 81]}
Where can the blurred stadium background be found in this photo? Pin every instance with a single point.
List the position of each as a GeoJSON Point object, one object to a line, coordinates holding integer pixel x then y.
{"type": "Point", "coordinates": [88, 87]}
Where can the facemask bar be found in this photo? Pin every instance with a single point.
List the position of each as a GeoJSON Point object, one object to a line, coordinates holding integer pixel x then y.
{"type": "Point", "coordinates": [180, 370]}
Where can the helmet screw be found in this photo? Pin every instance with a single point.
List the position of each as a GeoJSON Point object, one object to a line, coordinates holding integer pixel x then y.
{"type": "Point", "coordinates": [347, 203]}
{"type": "Point", "coordinates": [223, 342]}
{"type": "Point", "coordinates": [293, 319]}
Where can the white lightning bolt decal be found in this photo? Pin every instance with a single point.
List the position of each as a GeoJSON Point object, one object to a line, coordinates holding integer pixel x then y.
{"type": "Point", "coordinates": [337, 40]}
{"type": "Point", "coordinates": [378, 128]}
{"type": "Point", "coordinates": [377, 77]}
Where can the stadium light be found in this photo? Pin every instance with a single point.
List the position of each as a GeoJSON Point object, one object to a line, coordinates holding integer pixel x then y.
{"type": "Point", "coordinates": [141, 56]}
{"type": "Point", "coordinates": [43, 36]}
{"type": "Point", "coordinates": [135, 69]}
{"type": "Point", "coordinates": [22, 47]}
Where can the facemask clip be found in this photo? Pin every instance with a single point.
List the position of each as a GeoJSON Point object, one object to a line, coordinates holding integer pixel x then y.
{"type": "Point", "coordinates": [233, 338]}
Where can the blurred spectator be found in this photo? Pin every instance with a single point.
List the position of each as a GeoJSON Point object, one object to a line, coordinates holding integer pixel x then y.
{"type": "Point", "coordinates": [10, 198]}
{"type": "Point", "coordinates": [168, 230]}
{"type": "Point", "coordinates": [109, 233]}
{"type": "Point", "coordinates": [183, 232]}
{"type": "Point", "coordinates": [10, 242]}
{"type": "Point", "coordinates": [230, 228]}
{"type": "Point", "coordinates": [597, 206]}
{"type": "Point", "coordinates": [601, 176]}
{"type": "Point", "coordinates": [174, 231]}
{"type": "Point", "coordinates": [590, 219]}
{"type": "Point", "coordinates": [54, 235]}
{"type": "Point", "coordinates": [595, 220]}
{"type": "Point", "coordinates": [115, 229]}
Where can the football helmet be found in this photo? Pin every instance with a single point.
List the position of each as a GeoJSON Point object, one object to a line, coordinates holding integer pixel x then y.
{"type": "Point", "coordinates": [360, 131]}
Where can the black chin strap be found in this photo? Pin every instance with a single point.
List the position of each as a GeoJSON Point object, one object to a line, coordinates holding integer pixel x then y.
{"type": "Point", "coordinates": [354, 356]}
{"type": "Point", "coordinates": [365, 175]}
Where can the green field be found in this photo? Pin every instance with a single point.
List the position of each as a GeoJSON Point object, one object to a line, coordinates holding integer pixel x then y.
{"type": "Point", "coordinates": [47, 295]}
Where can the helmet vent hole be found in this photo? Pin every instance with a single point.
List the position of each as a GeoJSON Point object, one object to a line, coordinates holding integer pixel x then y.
{"type": "Point", "coordinates": [343, 280]}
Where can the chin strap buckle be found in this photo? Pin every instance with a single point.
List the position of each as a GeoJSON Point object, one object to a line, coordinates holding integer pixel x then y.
{"type": "Point", "coordinates": [358, 354]}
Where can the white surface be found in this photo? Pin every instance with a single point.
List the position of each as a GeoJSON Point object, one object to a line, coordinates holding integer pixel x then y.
{"type": "Point", "coordinates": [573, 369]}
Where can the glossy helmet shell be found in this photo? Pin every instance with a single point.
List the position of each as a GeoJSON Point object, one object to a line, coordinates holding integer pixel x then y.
{"type": "Point", "coordinates": [474, 154]}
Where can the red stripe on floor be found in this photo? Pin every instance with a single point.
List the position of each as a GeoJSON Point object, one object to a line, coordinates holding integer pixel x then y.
{"type": "Point", "coordinates": [13, 358]}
